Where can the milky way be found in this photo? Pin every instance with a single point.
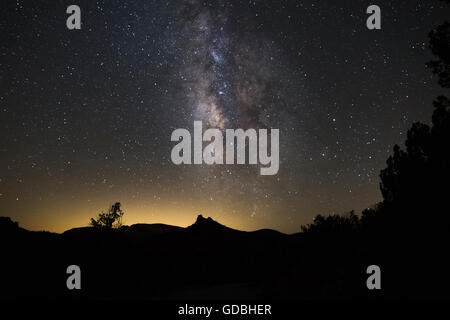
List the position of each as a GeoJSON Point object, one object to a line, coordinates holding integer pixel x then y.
{"type": "Point", "coordinates": [227, 79]}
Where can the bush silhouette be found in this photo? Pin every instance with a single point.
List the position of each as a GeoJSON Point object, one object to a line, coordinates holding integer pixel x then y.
{"type": "Point", "coordinates": [109, 220]}
{"type": "Point", "coordinates": [333, 224]}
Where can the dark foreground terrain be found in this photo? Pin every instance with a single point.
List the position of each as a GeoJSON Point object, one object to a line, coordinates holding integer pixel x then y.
{"type": "Point", "coordinates": [208, 261]}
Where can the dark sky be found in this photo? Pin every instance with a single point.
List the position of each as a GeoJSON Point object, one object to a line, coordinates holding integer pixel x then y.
{"type": "Point", "coordinates": [86, 115]}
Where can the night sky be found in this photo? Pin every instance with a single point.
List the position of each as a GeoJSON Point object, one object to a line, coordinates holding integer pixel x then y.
{"type": "Point", "coordinates": [86, 115]}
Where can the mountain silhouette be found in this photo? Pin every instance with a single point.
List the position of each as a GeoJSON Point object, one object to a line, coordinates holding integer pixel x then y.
{"type": "Point", "coordinates": [136, 229]}
{"type": "Point", "coordinates": [155, 260]}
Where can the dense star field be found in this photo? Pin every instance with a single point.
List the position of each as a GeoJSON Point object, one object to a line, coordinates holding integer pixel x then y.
{"type": "Point", "coordinates": [86, 115]}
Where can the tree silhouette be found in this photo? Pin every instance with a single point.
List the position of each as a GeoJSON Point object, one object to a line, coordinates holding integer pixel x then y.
{"type": "Point", "coordinates": [401, 177]}
{"type": "Point", "coordinates": [440, 46]}
{"type": "Point", "coordinates": [413, 182]}
{"type": "Point", "coordinates": [414, 178]}
{"type": "Point", "coordinates": [109, 220]}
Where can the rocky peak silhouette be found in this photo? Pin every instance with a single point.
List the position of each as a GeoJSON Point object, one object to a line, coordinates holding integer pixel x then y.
{"type": "Point", "coordinates": [7, 224]}
{"type": "Point", "coordinates": [203, 223]}
{"type": "Point", "coordinates": [201, 219]}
